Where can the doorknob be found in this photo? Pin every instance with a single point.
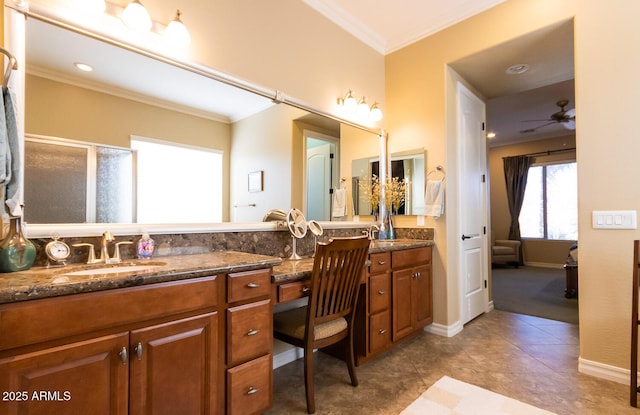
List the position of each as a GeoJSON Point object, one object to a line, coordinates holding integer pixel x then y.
{"type": "Point", "coordinates": [466, 237]}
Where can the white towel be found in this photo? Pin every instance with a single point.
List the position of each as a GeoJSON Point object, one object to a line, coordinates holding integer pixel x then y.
{"type": "Point", "coordinates": [434, 198]}
{"type": "Point", "coordinates": [339, 203]}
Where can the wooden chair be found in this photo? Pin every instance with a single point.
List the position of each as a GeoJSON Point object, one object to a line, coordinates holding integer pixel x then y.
{"type": "Point", "coordinates": [328, 317]}
{"type": "Point", "coordinates": [635, 321]}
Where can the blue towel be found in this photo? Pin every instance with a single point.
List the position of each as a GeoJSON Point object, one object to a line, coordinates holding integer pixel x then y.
{"type": "Point", "coordinates": [10, 156]}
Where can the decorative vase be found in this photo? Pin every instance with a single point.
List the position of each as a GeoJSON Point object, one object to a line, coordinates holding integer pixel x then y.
{"type": "Point", "coordinates": [391, 232]}
{"type": "Point", "coordinates": [17, 253]}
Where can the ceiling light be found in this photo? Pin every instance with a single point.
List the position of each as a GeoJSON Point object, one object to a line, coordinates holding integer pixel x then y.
{"type": "Point", "coordinates": [491, 134]}
{"type": "Point", "coordinates": [83, 66]}
{"type": "Point", "coordinates": [176, 32]}
{"type": "Point", "coordinates": [136, 17]}
{"type": "Point", "coordinates": [376, 113]}
{"type": "Point", "coordinates": [518, 69]}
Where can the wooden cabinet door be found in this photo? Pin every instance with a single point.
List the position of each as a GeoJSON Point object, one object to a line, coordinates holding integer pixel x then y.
{"type": "Point", "coordinates": [402, 283]}
{"type": "Point", "coordinates": [87, 377]}
{"type": "Point", "coordinates": [422, 297]}
{"type": "Point", "coordinates": [173, 367]}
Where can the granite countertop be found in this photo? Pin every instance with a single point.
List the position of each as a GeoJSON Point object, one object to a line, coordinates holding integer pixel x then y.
{"type": "Point", "coordinates": [41, 282]}
{"type": "Point", "coordinates": [294, 270]}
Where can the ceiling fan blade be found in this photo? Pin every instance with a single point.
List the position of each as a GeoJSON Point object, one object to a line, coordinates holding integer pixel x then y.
{"type": "Point", "coordinates": [530, 130]}
{"type": "Point", "coordinates": [548, 119]}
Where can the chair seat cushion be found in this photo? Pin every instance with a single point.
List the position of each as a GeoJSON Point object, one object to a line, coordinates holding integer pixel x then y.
{"type": "Point", "coordinates": [292, 323]}
{"type": "Point", "coordinates": [502, 250]}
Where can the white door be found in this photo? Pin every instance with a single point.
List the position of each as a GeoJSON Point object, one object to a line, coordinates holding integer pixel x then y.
{"type": "Point", "coordinates": [473, 210]}
{"type": "Point", "coordinates": [318, 182]}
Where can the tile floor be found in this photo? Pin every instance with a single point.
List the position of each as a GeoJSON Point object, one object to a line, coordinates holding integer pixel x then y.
{"type": "Point", "coordinates": [526, 358]}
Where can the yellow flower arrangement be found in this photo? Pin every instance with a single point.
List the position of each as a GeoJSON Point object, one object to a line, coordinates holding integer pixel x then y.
{"type": "Point", "coordinates": [395, 190]}
{"type": "Point", "coordinates": [371, 192]}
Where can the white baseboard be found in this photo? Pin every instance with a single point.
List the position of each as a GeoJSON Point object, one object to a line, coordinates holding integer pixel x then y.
{"type": "Point", "coordinates": [442, 330]}
{"type": "Point", "coordinates": [601, 370]}
{"type": "Point", "coordinates": [287, 356]}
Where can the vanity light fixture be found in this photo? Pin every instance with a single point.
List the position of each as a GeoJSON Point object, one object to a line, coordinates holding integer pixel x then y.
{"type": "Point", "coordinates": [376, 113]}
{"type": "Point", "coordinates": [136, 17]}
{"type": "Point", "coordinates": [360, 108]}
{"type": "Point", "coordinates": [176, 32]}
{"type": "Point", "coordinates": [349, 102]}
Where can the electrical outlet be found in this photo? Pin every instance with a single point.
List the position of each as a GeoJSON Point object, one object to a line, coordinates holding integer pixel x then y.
{"type": "Point", "coordinates": [614, 219]}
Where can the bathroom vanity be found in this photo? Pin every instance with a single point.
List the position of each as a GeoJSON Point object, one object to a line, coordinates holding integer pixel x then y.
{"type": "Point", "coordinates": [180, 334]}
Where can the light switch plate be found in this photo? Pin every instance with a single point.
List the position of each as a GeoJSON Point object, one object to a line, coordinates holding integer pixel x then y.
{"type": "Point", "coordinates": [614, 219]}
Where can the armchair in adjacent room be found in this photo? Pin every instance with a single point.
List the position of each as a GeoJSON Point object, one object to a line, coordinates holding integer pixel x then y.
{"type": "Point", "coordinates": [505, 252]}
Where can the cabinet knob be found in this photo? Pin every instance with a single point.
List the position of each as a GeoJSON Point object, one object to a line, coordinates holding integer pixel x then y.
{"type": "Point", "coordinates": [305, 290]}
{"type": "Point", "coordinates": [382, 331]}
{"type": "Point", "coordinates": [253, 285]}
{"type": "Point", "coordinates": [252, 390]}
{"type": "Point", "coordinates": [382, 262]}
{"type": "Point", "coordinates": [138, 350]}
{"type": "Point", "coordinates": [381, 292]}
{"type": "Point", "coordinates": [123, 355]}
{"type": "Point", "coordinates": [253, 332]}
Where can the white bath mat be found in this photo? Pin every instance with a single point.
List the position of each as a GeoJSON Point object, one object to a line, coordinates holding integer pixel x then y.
{"type": "Point", "coordinates": [452, 397]}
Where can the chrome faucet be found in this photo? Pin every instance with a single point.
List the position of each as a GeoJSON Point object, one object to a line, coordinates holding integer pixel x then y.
{"type": "Point", "coordinates": [371, 232]}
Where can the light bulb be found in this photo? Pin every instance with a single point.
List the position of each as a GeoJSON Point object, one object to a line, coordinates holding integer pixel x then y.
{"type": "Point", "coordinates": [376, 113]}
{"type": "Point", "coordinates": [93, 7]}
{"type": "Point", "coordinates": [363, 108]}
{"type": "Point", "coordinates": [176, 33]}
{"type": "Point", "coordinates": [136, 17]}
{"type": "Point", "coordinates": [350, 104]}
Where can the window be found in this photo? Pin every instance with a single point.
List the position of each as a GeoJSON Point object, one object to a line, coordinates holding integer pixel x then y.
{"type": "Point", "coordinates": [178, 184]}
{"type": "Point", "coordinates": [550, 208]}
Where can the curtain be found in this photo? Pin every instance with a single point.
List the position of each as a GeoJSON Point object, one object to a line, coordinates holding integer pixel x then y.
{"type": "Point", "coordinates": [516, 170]}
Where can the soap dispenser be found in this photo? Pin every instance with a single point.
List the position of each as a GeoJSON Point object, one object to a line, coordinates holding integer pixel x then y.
{"type": "Point", "coordinates": [145, 247]}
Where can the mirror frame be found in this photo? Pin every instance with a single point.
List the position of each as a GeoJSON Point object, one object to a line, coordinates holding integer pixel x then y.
{"type": "Point", "coordinates": [14, 20]}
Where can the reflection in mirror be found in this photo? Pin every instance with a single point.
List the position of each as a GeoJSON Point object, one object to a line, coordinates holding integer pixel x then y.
{"type": "Point", "coordinates": [406, 166]}
{"type": "Point", "coordinates": [129, 94]}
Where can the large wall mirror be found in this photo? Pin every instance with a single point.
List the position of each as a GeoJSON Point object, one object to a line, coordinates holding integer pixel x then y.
{"type": "Point", "coordinates": [407, 167]}
{"type": "Point", "coordinates": [128, 94]}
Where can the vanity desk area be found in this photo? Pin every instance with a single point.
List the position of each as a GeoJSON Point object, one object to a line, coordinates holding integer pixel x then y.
{"type": "Point", "coordinates": [182, 333]}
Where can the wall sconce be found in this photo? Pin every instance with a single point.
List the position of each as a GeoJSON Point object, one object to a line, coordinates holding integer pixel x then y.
{"type": "Point", "coordinates": [176, 32]}
{"type": "Point", "coordinates": [136, 17]}
{"type": "Point", "coordinates": [360, 108]}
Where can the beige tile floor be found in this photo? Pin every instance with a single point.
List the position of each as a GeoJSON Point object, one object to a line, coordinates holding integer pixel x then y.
{"type": "Point", "coordinates": [526, 358]}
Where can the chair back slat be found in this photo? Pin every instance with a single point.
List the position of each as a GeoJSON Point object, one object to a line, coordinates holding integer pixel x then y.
{"type": "Point", "coordinates": [335, 278]}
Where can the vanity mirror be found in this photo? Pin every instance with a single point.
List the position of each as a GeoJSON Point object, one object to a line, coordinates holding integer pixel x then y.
{"type": "Point", "coordinates": [407, 166]}
{"type": "Point", "coordinates": [65, 104]}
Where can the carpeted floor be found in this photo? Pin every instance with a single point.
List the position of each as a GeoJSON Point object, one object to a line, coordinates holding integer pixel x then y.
{"type": "Point", "coordinates": [533, 291]}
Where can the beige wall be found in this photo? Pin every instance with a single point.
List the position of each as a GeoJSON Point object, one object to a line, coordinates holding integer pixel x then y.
{"type": "Point", "coordinates": [536, 252]}
{"type": "Point", "coordinates": [606, 73]}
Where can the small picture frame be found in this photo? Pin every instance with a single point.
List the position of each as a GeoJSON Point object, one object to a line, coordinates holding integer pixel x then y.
{"type": "Point", "coordinates": [256, 181]}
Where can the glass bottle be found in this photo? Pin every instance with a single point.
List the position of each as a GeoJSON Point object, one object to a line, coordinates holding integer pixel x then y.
{"type": "Point", "coordinates": [17, 253]}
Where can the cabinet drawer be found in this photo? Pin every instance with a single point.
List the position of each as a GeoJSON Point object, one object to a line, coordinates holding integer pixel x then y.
{"type": "Point", "coordinates": [247, 285]}
{"type": "Point", "coordinates": [379, 292]}
{"type": "Point", "coordinates": [249, 387]}
{"type": "Point", "coordinates": [293, 290]}
{"type": "Point", "coordinates": [250, 331]}
{"type": "Point", "coordinates": [379, 331]}
{"type": "Point", "coordinates": [380, 262]}
{"type": "Point", "coordinates": [409, 257]}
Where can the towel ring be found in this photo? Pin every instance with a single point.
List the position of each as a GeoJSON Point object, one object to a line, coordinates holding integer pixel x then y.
{"type": "Point", "coordinates": [438, 169]}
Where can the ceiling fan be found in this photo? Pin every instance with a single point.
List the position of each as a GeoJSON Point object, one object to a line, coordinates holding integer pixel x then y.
{"type": "Point", "coordinates": [565, 117]}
